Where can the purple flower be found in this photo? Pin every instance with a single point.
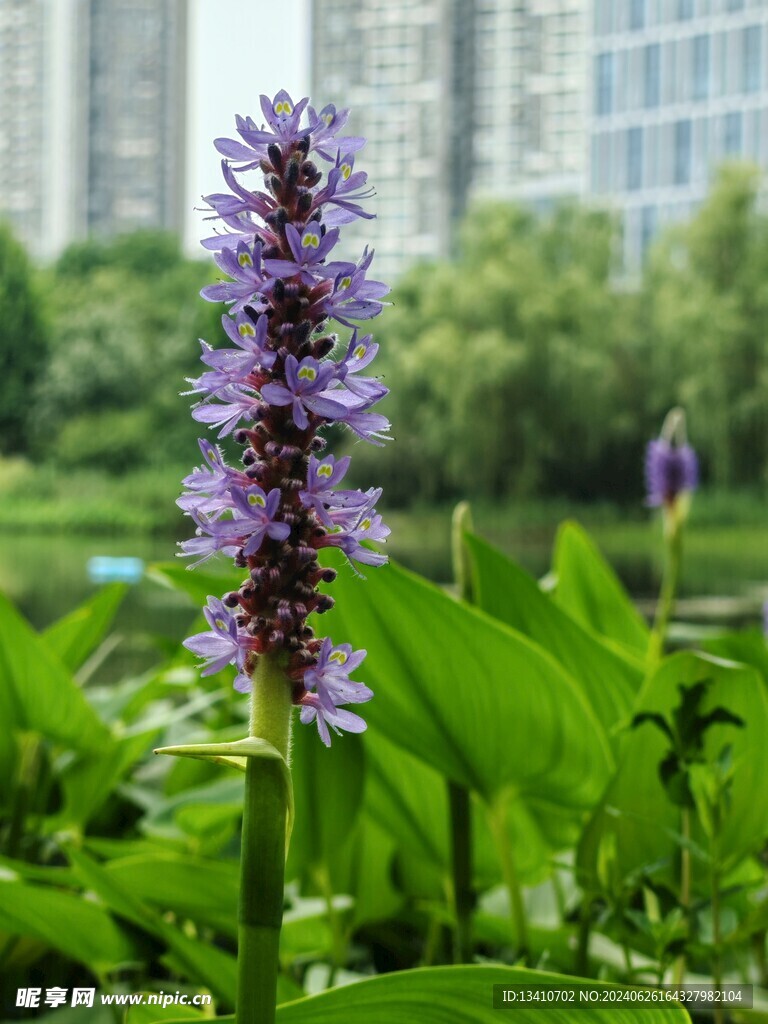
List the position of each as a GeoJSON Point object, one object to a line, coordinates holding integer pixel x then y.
{"type": "Point", "coordinates": [309, 248]}
{"type": "Point", "coordinates": [259, 511]}
{"type": "Point", "coordinates": [328, 685]}
{"type": "Point", "coordinates": [275, 390]}
{"type": "Point", "coordinates": [224, 644]}
{"type": "Point", "coordinates": [305, 390]}
{"type": "Point", "coordinates": [670, 470]}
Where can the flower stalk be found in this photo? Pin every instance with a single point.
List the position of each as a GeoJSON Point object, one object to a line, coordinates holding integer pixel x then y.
{"type": "Point", "coordinates": [672, 473]}
{"type": "Point", "coordinates": [283, 380]}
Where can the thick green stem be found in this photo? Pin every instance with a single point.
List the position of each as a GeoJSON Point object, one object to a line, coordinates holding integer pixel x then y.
{"type": "Point", "coordinates": [673, 536]}
{"type": "Point", "coordinates": [459, 800]}
{"type": "Point", "coordinates": [497, 819]}
{"type": "Point", "coordinates": [262, 856]}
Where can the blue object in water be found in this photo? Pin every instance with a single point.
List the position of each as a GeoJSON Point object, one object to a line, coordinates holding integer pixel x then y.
{"type": "Point", "coordinates": [106, 569]}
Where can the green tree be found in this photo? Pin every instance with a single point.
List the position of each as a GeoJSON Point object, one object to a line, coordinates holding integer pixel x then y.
{"type": "Point", "coordinates": [23, 342]}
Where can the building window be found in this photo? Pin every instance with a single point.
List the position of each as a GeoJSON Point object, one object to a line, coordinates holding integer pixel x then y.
{"type": "Point", "coordinates": [648, 223]}
{"type": "Point", "coordinates": [637, 13]}
{"type": "Point", "coordinates": [684, 10]}
{"type": "Point", "coordinates": [652, 75]}
{"type": "Point", "coordinates": [700, 67]}
{"type": "Point", "coordinates": [732, 133]}
{"type": "Point", "coordinates": [634, 158]}
{"type": "Point", "coordinates": [751, 64]}
{"type": "Point", "coordinates": [682, 152]}
{"type": "Point", "coordinates": [604, 83]}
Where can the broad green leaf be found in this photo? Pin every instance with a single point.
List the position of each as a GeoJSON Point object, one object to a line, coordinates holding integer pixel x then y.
{"type": "Point", "coordinates": [328, 791]}
{"type": "Point", "coordinates": [750, 648]}
{"type": "Point", "coordinates": [38, 694]}
{"type": "Point", "coordinates": [89, 780]}
{"type": "Point", "coordinates": [447, 995]}
{"type": "Point", "coordinates": [451, 995]}
{"type": "Point", "coordinates": [198, 888]}
{"type": "Point", "coordinates": [504, 590]}
{"type": "Point", "coordinates": [477, 701]}
{"type": "Point", "coordinates": [78, 928]}
{"type": "Point", "coordinates": [202, 963]}
{"type": "Point", "coordinates": [636, 824]}
{"type": "Point", "coordinates": [589, 590]}
{"type": "Point", "coordinates": [77, 634]}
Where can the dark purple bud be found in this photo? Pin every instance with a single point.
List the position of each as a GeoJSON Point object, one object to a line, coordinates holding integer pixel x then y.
{"type": "Point", "coordinates": [275, 156]}
{"type": "Point", "coordinates": [304, 203]}
{"type": "Point", "coordinates": [230, 599]}
{"type": "Point", "coordinates": [324, 603]}
{"type": "Point", "coordinates": [291, 174]}
{"type": "Point", "coordinates": [328, 575]}
{"type": "Point", "coordinates": [317, 444]}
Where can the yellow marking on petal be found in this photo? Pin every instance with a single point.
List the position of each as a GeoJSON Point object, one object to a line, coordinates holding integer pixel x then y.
{"type": "Point", "coordinates": [310, 240]}
{"type": "Point", "coordinates": [256, 499]}
{"type": "Point", "coordinates": [366, 524]}
{"type": "Point", "coordinates": [244, 260]}
{"type": "Point", "coordinates": [345, 283]}
{"type": "Point", "coordinates": [221, 624]}
{"type": "Point", "coordinates": [246, 331]}
{"type": "Point", "coordinates": [307, 373]}
{"type": "Point", "coordinates": [339, 656]}
{"type": "Point", "coordinates": [325, 469]}
{"type": "Point", "coordinates": [327, 118]}
{"type": "Point", "coordinates": [359, 352]}
{"type": "Point", "coordinates": [346, 170]}
{"type": "Point", "coordinates": [283, 107]}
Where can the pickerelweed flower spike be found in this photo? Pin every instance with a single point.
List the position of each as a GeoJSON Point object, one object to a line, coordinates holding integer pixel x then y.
{"type": "Point", "coordinates": [671, 466]}
{"type": "Point", "coordinates": [275, 391]}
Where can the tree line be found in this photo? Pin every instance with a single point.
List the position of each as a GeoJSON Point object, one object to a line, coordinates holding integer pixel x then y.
{"type": "Point", "coordinates": [527, 365]}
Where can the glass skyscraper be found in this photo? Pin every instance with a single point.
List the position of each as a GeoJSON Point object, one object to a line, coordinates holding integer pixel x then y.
{"type": "Point", "coordinates": [678, 87]}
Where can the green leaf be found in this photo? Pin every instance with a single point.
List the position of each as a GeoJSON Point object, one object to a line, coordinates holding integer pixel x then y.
{"type": "Point", "coordinates": [38, 694]}
{"type": "Point", "coordinates": [477, 701]}
{"type": "Point", "coordinates": [235, 755]}
{"type": "Point", "coordinates": [328, 792]}
{"type": "Point", "coordinates": [78, 928]}
{"type": "Point", "coordinates": [449, 995]}
{"type": "Point", "coordinates": [198, 888]}
{"type": "Point", "coordinates": [504, 590]}
{"type": "Point", "coordinates": [77, 634]}
{"type": "Point", "coordinates": [445, 995]}
{"type": "Point", "coordinates": [636, 824]}
{"type": "Point", "coordinates": [196, 584]}
{"type": "Point", "coordinates": [202, 963]}
{"type": "Point", "coordinates": [589, 590]}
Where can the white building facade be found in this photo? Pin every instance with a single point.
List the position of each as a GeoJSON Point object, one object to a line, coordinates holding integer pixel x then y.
{"type": "Point", "coordinates": [678, 87]}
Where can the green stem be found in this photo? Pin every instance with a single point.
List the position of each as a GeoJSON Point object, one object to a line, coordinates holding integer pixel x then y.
{"type": "Point", "coordinates": [497, 819]}
{"type": "Point", "coordinates": [717, 960]}
{"type": "Point", "coordinates": [673, 535]}
{"type": "Point", "coordinates": [685, 883]}
{"type": "Point", "coordinates": [459, 800]}
{"type": "Point", "coordinates": [338, 943]}
{"type": "Point", "coordinates": [262, 856]}
{"type": "Point", "coordinates": [581, 964]}
{"type": "Point", "coordinates": [461, 864]}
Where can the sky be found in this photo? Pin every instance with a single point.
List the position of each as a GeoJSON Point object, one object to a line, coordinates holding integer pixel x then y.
{"type": "Point", "coordinates": [238, 50]}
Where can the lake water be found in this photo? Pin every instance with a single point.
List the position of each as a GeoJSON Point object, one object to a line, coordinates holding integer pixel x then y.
{"type": "Point", "coordinates": [45, 575]}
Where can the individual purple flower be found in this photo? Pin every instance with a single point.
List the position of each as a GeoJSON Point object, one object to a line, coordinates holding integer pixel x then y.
{"type": "Point", "coordinates": [309, 248]}
{"type": "Point", "coordinates": [274, 390]}
{"type": "Point", "coordinates": [671, 466]}
{"type": "Point", "coordinates": [259, 511]}
{"type": "Point", "coordinates": [306, 391]}
{"type": "Point", "coordinates": [223, 644]}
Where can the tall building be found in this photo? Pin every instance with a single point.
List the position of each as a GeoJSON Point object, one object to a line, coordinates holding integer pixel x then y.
{"type": "Point", "coordinates": [92, 118]}
{"type": "Point", "coordinates": [530, 96]}
{"type": "Point", "coordinates": [678, 87]}
{"type": "Point", "coordinates": [456, 97]}
{"type": "Point", "coordinates": [391, 61]}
